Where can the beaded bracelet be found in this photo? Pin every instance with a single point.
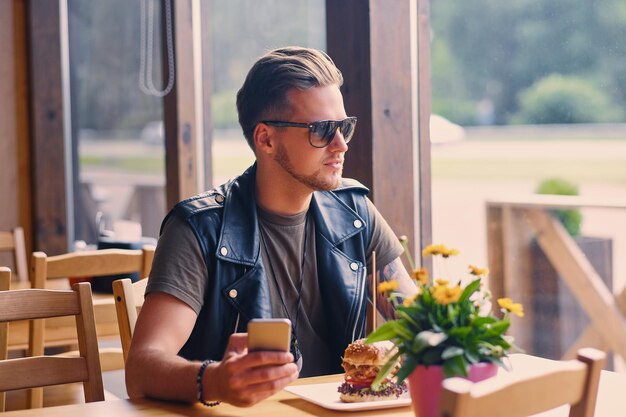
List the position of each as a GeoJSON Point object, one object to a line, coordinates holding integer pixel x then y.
{"type": "Point", "coordinates": [199, 384]}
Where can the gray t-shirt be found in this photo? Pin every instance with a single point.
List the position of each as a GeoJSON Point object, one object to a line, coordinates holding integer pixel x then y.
{"type": "Point", "coordinates": [179, 270]}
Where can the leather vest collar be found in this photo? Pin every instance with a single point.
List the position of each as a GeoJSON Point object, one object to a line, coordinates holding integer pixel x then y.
{"type": "Point", "coordinates": [240, 219]}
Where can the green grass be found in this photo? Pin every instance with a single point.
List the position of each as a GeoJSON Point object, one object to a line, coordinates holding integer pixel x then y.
{"type": "Point", "coordinates": [147, 165]}
{"type": "Point", "coordinates": [610, 171]}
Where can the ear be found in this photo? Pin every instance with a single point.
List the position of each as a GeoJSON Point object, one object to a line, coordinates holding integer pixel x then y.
{"type": "Point", "coordinates": [264, 138]}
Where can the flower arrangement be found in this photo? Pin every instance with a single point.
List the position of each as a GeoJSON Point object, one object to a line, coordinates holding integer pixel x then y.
{"type": "Point", "coordinates": [447, 323]}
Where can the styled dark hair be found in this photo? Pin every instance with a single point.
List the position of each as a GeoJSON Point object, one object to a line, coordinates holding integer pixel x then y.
{"type": "Point", "coordinates": [264, 92]}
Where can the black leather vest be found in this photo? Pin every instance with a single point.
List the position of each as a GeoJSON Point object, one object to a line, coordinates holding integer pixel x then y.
{"type": "Point", "coordinates": [225, 223]}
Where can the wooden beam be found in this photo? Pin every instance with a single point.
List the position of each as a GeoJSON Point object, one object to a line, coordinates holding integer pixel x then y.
{"type": "Point", "coordinates": [46, 98]}
{"type": "Point", "coordinates": [375, 46]}
{"type": "Point", "coordinates": [517, 278]}
{"type": "Point", "coordinates": [15, 179]}
{"type": "Point", "coordinates": [424, 180]}
{"type": "Point", "coordinates": [184, 119]}
{"type": "Point", "coordinates": [589, 338]}
{"type": "Point", "coordinates": [574, 268]}
{"type": "Point", "coordinates": [206, 49]}
{"type": "Point", "coordinates": [495, 253]}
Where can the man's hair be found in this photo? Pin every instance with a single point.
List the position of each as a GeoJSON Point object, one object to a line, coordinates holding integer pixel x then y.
{"type": "Point", "coordinates": [264, 92]}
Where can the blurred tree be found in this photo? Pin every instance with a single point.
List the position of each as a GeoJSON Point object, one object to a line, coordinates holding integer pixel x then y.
{"type": "Point", "coordinates": [501, 48]}
{"type": "Point", "coordinates": [104, 66]}
{"type": "Point", "coordinates": [561, 99]}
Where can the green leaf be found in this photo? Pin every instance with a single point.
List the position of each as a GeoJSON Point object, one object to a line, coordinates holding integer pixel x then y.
{"type": "Point", "coordinates": [407, 317]}
{"type": "Point", "coordinates": [459, 332]}
{"type": "Point", "coordinates": [469, 290]}
{"type": "Point", "coordinates": [429, 338]}
{"type": "Point", "coordinates": [385, 370]}
{"type": "Point", "coordinates": [498, 328]}
{"type": "Point", "coordinates": [452, 351]}
{"type": "Point", "coordinates": [408, 366]}
{"type": "Point", "coordinates": [472, 357]}
{"type": "Point", "coordinates": [480, 321]}
{"type": "Point", "coordinates": [401, 330]}
{"type": "Point", "coordinates": [387, 331]}
{"type": "Point", "coordinates": [455, 366]}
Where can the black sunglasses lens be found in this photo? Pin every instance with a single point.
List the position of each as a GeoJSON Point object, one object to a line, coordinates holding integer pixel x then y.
{"type": "Point", "coordinates": [322, 133]}
{"type": "Point", "coordinates": [347, 128]}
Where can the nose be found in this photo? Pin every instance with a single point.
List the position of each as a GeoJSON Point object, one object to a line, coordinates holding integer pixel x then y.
{"type": "Point", "coordinates": [338, 144]}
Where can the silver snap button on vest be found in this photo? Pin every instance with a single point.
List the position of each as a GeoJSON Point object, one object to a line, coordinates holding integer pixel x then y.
{"type": "Point", "coordinates": [232, 293]}
{"type": "Point", "coordinates": [354, 266]}
{"type": "Point", "coordinates": [357, 223]}
{"type": "Point", "coordinates": [224, 251]}
{"type": "Point", "coordinates": [219, 198]}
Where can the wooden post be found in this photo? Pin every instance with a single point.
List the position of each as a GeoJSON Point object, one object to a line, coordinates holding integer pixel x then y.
{"type": "Point", "coordinates": [186, 151]}
{"type": "Point", "coordinates": [375, 45]}
{"type": "Point", "coordinates": [49, 186]}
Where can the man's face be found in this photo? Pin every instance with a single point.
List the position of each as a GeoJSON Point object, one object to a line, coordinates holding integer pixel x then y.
{"type": "Point", "coordinates": [316, 168]}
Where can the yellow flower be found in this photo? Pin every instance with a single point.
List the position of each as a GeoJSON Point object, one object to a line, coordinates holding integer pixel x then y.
{"type": "Point", "coordinates": [509, 305]}
{"type": "Point", "coordinates": [446, 295]}
{"type": "Point", "coordinates": [387, 286]}
{"type": "Point", "coordinates": [442, 250]}
{"type": "Point", "coordinates": [441, 282]}
{"type": "Point", "coordinates": [420, 275]}
{"type": "Point", "coordinates": [479, 272]}
{"type": "Point", "coordinates": [409, 300]}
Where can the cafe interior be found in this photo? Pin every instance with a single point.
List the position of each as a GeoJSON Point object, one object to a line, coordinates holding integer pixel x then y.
{"type": "Point", "coordinates": [112, 112]}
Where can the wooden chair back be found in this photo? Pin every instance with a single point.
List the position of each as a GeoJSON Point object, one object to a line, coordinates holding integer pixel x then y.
{"type": "Point", "coordinates": [92, 263]}
{"type": "Point", "coordinates": [14, 241]}
{"type": "Point", "coordinates": [39, 370]}
{"type": "Point", "coordinates": [80, 264]}
{"type": "Point", "coordinates": [129, 299]}
{"type": "Point", "coordinates": [5, 283]}
{"type": "Point", "coordinates": [523, 392]}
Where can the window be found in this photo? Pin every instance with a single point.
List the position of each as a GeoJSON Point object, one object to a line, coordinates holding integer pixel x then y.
{"type": "Point", "coordinates": [528, 97]}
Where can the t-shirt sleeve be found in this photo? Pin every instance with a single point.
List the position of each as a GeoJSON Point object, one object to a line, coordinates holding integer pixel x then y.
{"type": "Point", "coordinates": [178, 268]}
{"type": "Point", "coordinates": [384, 240]}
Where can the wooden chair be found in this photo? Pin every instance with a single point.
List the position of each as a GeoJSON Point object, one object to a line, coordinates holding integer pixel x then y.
{"type": "Point", "coordinates": [39, 370]}
{"type": "Point", "coordinates": [129, 299]}
{"type": "Point", "coordinates": [47, 269]}
{"type": "Point", "coordinates": [523, 392]}
{"type": "Point", "coordinates": [14, 241]}
{"type": "Point", "coordinates": [5, 282]}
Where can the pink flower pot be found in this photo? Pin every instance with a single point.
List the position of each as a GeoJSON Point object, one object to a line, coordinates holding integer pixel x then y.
{"type": "Point", "coordinates": [425, 386]}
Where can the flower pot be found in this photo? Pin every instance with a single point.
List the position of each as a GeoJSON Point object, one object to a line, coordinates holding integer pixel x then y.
{"type": "Point", "coordinates": [425, 385]}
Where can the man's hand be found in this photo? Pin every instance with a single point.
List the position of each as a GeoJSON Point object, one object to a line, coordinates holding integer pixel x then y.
{"type": "Point", "coordinates": [243, 379]}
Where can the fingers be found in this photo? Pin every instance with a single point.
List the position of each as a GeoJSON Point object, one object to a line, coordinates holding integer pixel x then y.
{"type": "Point", "coordinates": [253, 394]}
{"type": "Point", "coordinates": [245, 379]}
{"type": "Point", "coordinates": [238, 343]}
{"type": "Point", "coordinates": [261, 371]}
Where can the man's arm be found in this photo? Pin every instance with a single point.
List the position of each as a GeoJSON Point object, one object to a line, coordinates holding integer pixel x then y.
{"type": "Point", "coordinates": [394, 271]}
{"type": "Point", "coordinates": [154, 369]}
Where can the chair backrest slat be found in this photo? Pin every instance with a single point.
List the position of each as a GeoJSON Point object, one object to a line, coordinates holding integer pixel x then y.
{"type": "Point", "coordinates": [38, 370]}
{"type": "Point", "coordinates": [5, 282]}
{"type": "Point", "coordinates": [95, 263]}
{"type": "Point", "coordinates": [129, 298]}
{"type": "Point", "coordinates": [524, 392]}
{"type": "Point", "coordinates": [40, 304]}
{"type": "Point", "coordinates": [14, 241]}
{"type": "Point", "coordinates": [92, 263]}
{"type": "Point", "coordinates": [50, 370]}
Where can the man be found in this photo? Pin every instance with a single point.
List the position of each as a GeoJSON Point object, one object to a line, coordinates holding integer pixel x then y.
{"type": "Point", "coordinates": [288, 238]}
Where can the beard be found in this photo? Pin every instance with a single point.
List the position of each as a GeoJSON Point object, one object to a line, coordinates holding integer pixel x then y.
{"type": "Point", "coordinates": [313, 181]}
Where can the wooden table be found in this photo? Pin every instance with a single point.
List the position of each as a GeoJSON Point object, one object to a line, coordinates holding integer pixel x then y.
{"type": "Point", "coordinates": [611, 403]}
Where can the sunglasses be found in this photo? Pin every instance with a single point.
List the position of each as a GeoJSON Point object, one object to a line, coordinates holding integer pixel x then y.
{"type": "Point", "coordinates": [323, 132]}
